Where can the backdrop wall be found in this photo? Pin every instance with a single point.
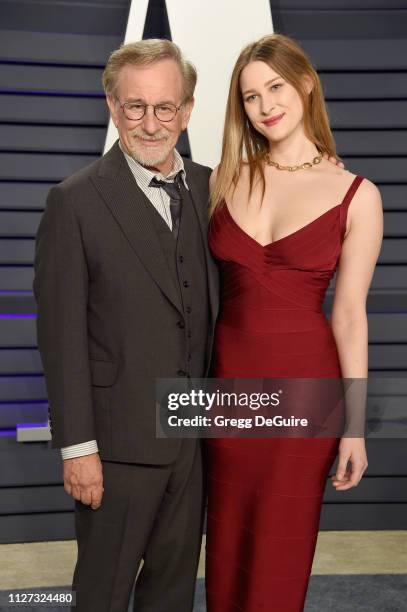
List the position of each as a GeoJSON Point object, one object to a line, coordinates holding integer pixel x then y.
{"type": "Point", "coordinates": [53, 121]}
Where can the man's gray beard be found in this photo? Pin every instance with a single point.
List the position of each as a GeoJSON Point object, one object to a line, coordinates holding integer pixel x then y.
{"type": "Point", "coordinates": [145, 160]}
{"type": "Point", "coordinates": [148, 160]}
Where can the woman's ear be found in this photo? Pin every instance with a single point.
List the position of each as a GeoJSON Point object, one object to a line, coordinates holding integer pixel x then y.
{"type": "Point", "coordinates": [308, 83]}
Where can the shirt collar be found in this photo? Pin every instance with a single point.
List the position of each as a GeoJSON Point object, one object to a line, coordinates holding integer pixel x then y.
{"type": "Point", "coordinates": [143, 175]}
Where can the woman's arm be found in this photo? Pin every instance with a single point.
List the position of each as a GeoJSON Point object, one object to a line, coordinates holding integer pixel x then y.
{"type": "Point", "coordinates": [360, 251]}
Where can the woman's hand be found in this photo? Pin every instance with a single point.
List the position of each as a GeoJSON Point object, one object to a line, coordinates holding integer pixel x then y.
{"type": "Point", "coordinates": [334, 160]}
{"type": "Point", "coordinates": [354, 451]}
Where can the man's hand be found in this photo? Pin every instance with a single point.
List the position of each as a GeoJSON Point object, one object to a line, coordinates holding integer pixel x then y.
{"type": "Point", "coordinates": [83, 479]}
{"type": "Point", "coordinates": [334, 161]}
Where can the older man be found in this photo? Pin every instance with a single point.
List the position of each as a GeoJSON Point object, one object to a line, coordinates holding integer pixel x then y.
{"type": "Point", "coordinates": [127, 293]}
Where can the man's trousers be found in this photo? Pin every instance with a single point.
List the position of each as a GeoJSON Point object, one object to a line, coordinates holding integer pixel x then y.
{"type": "Point", "coordinates": [149, 513]}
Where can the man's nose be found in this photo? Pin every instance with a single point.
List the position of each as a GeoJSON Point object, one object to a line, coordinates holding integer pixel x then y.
{"type": "Point", "coordinates": [150, 122]}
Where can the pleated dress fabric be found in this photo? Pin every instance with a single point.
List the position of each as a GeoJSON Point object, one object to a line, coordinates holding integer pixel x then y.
{"type": "Point", "coordinates": [265, 495]}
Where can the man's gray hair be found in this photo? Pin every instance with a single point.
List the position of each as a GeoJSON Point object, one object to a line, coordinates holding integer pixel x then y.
{"type": "Point", "coordinates": [144, 53]}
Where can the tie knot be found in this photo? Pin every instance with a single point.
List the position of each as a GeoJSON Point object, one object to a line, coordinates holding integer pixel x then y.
{"type": "Point", "coordinates": [173, 191]}
{"type": "Point", "coordinates": [171, 188]}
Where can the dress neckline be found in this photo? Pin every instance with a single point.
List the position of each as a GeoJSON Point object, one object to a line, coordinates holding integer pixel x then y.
{"type": "Point", "coordinates": [297, 231]}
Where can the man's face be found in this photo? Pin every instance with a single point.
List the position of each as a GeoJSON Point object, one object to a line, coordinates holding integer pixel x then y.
{"type": "Point", "coordinates": [148, 140]}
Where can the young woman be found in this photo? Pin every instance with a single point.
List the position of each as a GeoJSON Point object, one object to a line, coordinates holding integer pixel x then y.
{"type": "Point", "coordinates": [284, 220]}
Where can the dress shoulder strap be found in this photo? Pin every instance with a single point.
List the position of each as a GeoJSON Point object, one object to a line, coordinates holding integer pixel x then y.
{"type": "Point", "coordinates": [343, 212]}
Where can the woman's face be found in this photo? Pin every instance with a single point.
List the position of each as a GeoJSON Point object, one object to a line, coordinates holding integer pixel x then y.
{"type": "Point", "coordinates": [272, 105]}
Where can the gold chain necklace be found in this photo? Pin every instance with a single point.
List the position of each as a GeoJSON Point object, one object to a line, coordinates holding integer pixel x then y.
{"type": "Point", "coordinates": [315, 161]}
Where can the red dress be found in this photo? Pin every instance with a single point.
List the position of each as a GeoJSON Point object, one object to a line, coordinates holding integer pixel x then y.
{"type": "Point", "coordinates": [265, 495]}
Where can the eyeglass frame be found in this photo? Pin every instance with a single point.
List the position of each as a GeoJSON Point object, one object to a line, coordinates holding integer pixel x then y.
{"type": "Point", "coordinates": [177, 108]}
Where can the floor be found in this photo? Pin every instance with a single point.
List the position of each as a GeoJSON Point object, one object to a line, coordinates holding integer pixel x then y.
{"type": "Point", "coordinates": [352, 571]}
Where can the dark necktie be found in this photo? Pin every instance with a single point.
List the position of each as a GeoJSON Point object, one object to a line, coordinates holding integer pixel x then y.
{"type": "Point", "coordinates": [173, 190]}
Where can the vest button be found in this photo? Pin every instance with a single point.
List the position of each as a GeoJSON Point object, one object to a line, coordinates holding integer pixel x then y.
{"type": "Point", "coordinates": [181, 324]}
{"type": "Point", "coordinates": [189, 334]}
{"type": "Point", "coordinates": [181, 373]}
{"type": "Point", "coordinates": [186, 284]}
{"type": "Point", "coordinates": [188, 309]}
{"type": "Point", "coordinates": [180, 258]}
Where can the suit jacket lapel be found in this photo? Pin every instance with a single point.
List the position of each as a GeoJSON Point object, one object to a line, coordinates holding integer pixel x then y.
{"type": "Point", "coordinates": [118, 188]}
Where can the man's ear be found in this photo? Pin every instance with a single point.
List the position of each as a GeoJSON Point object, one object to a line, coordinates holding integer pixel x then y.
{"type": "Point", "coordinates": [112, 104]}
{"type": "Point", "coordinates": [186, 112]}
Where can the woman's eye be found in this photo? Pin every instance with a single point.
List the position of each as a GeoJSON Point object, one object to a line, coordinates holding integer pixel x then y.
{"type": "Point", "coordinates": [276, 86]}
{"type": "Point", "coordinates": [250, 98]}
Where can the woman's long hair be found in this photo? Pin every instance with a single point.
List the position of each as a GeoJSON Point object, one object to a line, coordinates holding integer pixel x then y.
{"type": "Point", "coordinates": [241, 142]}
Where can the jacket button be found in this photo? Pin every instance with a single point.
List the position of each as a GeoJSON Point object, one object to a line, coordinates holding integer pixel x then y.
{"type": "Point", "coordinates": [189, 334]}
{"type": "Point", "coordinates": [186, 284]}
{"type": "Point", "coordinates": [181, 324]}
{"type": "Point", "coordinates": [180, 258]}
{"type": "Point", "coordinates": [181, 373]}
{"type": "Point", "coordinates": [188, 309]}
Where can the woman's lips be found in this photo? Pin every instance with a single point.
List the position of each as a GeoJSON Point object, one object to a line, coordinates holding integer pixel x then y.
{"type": "Point", "coordinates": [273, 120]}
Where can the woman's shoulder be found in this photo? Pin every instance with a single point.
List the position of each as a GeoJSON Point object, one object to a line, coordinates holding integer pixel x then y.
{"type": "Point", "coordinates": [365, 199]}
{"type": "Point", "coordinates": [240, 187]}
{"type": "Point", "coordinates": [366, 189]}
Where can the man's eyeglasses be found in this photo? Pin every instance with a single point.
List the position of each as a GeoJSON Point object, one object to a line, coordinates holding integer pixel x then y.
{"type": "Point", "coordinates": [136, 110]}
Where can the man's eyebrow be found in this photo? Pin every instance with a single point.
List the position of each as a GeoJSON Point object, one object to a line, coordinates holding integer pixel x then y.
{"type": "Point", "coordinates": [135, 100]}
{"type": "Point", "coordinates": [166, 102]}
{"type": "Point", "coordinates": [156, 104]}
{"type": "Point", "coordinates": [265, 85]}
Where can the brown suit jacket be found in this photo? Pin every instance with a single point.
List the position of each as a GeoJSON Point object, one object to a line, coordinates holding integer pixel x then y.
{"type": "Point", "coordinates": [108, 310]}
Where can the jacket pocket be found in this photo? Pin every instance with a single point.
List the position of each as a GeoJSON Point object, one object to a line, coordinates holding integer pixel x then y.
{"type": "Point", "coordinates": [103, 373]}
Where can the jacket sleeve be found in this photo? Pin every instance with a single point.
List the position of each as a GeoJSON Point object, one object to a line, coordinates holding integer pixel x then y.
{"type": "Point", "coordinates": [61, 291]}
